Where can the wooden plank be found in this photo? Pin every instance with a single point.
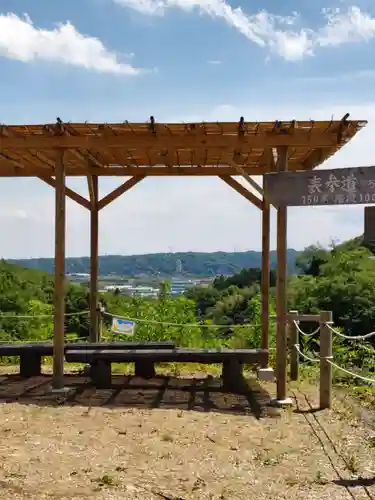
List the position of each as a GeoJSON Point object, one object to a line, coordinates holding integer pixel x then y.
{"type": "Point", "coordinates": [46, 349]}
{"type": "Point", "coordinates": [94, 259]}
{"type": "Point", "coordinates": [281, 277]}
{"type": "Point", "coordinates": [304, 317]}
{"type": "Point", "coordinates": [58, 335]}
{"type": "Point", "coordinates": [168, 355]}
{"type": "Point", "coordinates": [265, 276]}
{"type": "Point", "coordinates": [341, 186]}
{"type": "Point", "coordinates": [139, 172]}
{"type": "Point", "coordinates": [147, 140]}
{"type": "Point", "coordinates": [113, 195]}
{"type": "Point", "coordinates": [69, 192]}
{"type": "Point", "coordinates": [242, 190]}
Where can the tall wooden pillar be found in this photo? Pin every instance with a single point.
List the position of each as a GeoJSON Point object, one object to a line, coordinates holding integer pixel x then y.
{"type": "Point", "coordinates": [94, 259]}
{"type": "Point", "coordinates": [59, 313]}
{"type": "Point", "coordinates": [265, 277]}
{"type": "Point", "coordinates": [281, 277]}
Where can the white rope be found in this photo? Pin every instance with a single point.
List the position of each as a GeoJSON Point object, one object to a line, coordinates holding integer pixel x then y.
{"type": "Point", "coordinates": [313, 360]}
{"type": "Point", "coordinates": [28, 316]}
{"type": "Point", "coordinates": [356, 375]}
{"type": "Point", "coordinates": [304, 333]}
{"type": "Point", "coordinates": [187, 325]}
{"type": "Point", "coordinates": [329, 360]}
{"type": "Point", "coordinates": [37, 341]}
{"type": "Point", "coordinates": [350, 337]}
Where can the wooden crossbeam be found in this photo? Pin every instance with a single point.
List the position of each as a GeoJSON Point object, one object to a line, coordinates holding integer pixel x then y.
{"type": "Point", "coordinates": [119, 191]}
{"type": "Point", "coordinates": [242, 190]}
{"type": "Point", "coordinates": [139, 172]}
{"type": "Point", "coordinates": [69, 192]}
{"type": "Point", "coordinates": [296, 138]}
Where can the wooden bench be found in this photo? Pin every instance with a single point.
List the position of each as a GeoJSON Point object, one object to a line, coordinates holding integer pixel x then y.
{"type": "Point", "coordinates": [232, 360]}
{"type": "Point", "coordinates": [31, 354]}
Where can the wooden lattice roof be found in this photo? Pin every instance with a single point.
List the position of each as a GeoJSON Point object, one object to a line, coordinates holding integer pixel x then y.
{"type": "Point", "coordinates": [152, 148]}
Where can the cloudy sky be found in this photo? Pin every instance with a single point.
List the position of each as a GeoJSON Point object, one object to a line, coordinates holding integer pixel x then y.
{"type": "Point", "coordinates": [181, 60]}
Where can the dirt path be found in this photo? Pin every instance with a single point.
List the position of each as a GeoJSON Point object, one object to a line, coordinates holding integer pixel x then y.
{"type": "Point", "coordinates": [177, 439]}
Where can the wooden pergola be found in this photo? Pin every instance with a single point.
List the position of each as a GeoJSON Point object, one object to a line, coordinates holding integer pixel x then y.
{"type": "Point", "coordinates": [225, 150]}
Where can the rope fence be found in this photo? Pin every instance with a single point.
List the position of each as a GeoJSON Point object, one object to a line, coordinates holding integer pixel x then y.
{"type": "Point", "coordinates": [325, 358]}
{"type": "Point", "coordinates": [38, 316]}
{"type": "Point", "coordinates": [181, 325]}
{"type": "Point", "coordinates": [68, 336]}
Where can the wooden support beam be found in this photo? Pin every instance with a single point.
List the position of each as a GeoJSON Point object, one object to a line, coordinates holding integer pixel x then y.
{"type": "Point", "coordinates": [69, 192]}
{"type": "Point", "coordinates": [281, 277]}
{"type": "Point", "coordinates": [247, 177]}
{"type": "Point", "coordinates": [119, 191]}
{"type": "Point", "coordinates": [94, 259]}
{"type": "Point", "coordinates": [242, 190]}
{"type": "Point", "coordinates": [93, 192]}
{"type": "Point", "coordinates": [265, 276]}
{"type": "Point", "coordinates": [139, 172]}
{"type": "Point", "coordinates": [146, 140]}
{"type": "Point", "coordinates": [59, 313]}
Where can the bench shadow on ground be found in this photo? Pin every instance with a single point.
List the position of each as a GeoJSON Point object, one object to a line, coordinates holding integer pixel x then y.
{"type": "Point", "coordinates": [163, 391]}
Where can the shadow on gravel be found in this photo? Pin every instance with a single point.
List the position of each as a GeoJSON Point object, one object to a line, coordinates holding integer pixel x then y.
{"type": "Point", "coordinates": [194, 394]}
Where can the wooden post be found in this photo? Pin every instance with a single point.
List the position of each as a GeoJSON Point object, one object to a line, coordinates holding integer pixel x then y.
{"type": "Point", "coordinates": [281, 347]}
{"type": "Point", "coordinates": [59, 313]}
{"type": "Point", "coordinates": [293, 339]}
{"type": "Point", "coordinates": [94, 264]}
{"type": "Point", "coordinates": [325, 355]}
{"type": "Point", "coordinates": [265, 277]}
{"type": "Point", "coordinates": [100, 322]}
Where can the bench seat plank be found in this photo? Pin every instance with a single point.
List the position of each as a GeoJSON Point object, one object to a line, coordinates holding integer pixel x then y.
{"type": "Point", "coordinates": [46, 349]}
{"type": "Point", "coordinates": [207, 356]}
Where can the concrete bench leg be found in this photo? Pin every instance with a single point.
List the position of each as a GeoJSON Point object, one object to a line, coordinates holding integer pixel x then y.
{"type": "Point", "coordinates": [30, 364]}
{"type": "Point", "coordinates": [101, 374]}
{"type": "Point", "coordinates": [232, 376]}
{"type": "Point", "coordinates": [144, 369]}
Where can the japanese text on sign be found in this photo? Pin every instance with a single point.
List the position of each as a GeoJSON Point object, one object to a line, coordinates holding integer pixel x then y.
{"type": "Point", "coordinates": [324, 187]}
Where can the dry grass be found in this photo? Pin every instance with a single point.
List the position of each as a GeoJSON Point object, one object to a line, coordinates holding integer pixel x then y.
{"type": "Point", "coordinates": [176, 439]}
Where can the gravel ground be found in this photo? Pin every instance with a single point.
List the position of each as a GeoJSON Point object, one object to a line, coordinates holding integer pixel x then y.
{"type": "Point", "coordinates": [177, 439]}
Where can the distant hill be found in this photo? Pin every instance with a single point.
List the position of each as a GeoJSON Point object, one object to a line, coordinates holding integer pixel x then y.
{"type": "Point", "coordinates": [193, 263]}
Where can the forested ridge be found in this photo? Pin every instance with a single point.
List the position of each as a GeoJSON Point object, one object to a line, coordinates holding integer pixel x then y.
{"type": "Point", "coordinates": [193, 263]}
{"type": "Point", "coordinates": [340, 279]}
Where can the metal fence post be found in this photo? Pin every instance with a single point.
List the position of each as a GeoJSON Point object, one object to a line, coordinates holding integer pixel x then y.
{"type": "Point", "coordinates": [293, 339]}
{"type": "Point", "coordinates": [325, 356]}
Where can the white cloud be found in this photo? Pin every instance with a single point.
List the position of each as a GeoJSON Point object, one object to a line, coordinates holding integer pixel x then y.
{"type": "Point", "coordinates": [22, 41]}
{"type": "Point", "coordinates": [214, 62]}
{"type": "Point", "coordinates": [277, 33]}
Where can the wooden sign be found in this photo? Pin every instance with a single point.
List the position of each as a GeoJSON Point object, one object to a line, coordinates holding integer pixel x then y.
{"type": "Point", "coordinates": [341, 186]}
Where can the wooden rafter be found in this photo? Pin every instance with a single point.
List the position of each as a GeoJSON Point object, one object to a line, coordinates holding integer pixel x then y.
{"type": "Point", "coordinates": [242, 191]}
{"type": "Point", "coordinates": [69, 192]}
{"type": "Point", "coordinates": [119, 191]}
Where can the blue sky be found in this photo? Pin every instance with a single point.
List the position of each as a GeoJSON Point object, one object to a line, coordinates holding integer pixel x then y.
{"type": "Point", "coordinates": [180, 60]}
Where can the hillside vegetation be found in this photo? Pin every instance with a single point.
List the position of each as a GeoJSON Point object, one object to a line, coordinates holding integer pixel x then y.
{"type": "Point", "coordinates": [193, 263]}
